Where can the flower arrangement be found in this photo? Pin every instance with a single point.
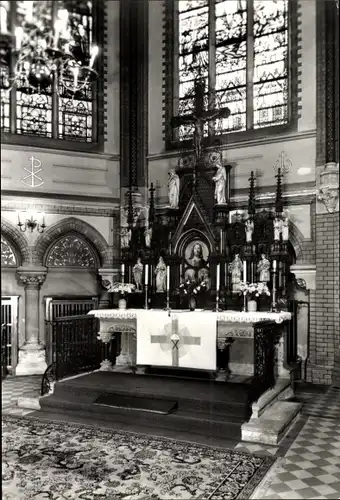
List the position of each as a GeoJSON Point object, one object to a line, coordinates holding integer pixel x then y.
{"type": "Point", "coordinates": [122, 288]}
{"type": "Point", "coordinates": [254, 290]}
{"type": "Point", "coordinates": [190, 286]}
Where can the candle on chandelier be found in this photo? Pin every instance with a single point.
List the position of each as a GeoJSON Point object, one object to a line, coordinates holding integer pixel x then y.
{"type": "Point", "coordinates": [146, 274]}
{"type": "Point", "coordinates": [94, 53]}
{"type": "Point", "coordinates": [167, 278]}
{"type": "Point", "coordinates": [218, 277]}
{"type": "Point", "coordinates": [274, 266]}
{"type": "Point", "coordinates": [245, 271]}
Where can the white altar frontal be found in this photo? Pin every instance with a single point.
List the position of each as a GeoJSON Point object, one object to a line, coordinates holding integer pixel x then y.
{"type": "Point", "coordinates": [183, 339]}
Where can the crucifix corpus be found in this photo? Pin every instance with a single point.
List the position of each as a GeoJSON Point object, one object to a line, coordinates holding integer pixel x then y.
{"type": "Point", "coordinates": [198, 118]}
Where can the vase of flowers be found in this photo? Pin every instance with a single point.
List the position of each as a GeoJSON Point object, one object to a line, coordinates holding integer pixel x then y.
{"type": "Point", "coordinates": [191, 289]}
{"type": "Point", "coordinates": [252, 291]}
{"type": "Point", "coordinates": [123, 289]}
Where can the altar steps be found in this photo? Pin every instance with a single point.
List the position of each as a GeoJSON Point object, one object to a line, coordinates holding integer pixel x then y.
{"type": "Point", "coordinates": [198, 407]}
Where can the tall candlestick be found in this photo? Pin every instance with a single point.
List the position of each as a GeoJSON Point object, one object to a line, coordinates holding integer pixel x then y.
{"type": "Point", "coordinates": [123, 271]}
{"type": "Point", "coordinates": [168, 277]}
{"type": "Point", "coordinates": [218, 277]}
{"type": "Point", "coordinates": [19, 35]}
{"type": "Point", "coordinates": [146, 274]}
{"type": "Point", "coordinates": [245, 271]}
{"type": "Point", "coordinates": [274, 265]}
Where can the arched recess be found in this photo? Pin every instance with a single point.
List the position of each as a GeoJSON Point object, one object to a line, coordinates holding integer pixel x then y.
{"type": "Point", "coordinates": [17, 241]}
{"type": "Point", "coordinates": [75, 226]}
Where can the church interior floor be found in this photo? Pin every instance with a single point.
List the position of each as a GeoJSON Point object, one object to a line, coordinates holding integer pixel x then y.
{"type": "Point", "coordinates": [308, 457]}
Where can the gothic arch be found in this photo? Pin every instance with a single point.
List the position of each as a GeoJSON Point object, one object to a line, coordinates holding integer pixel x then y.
{"type": "Point", "coordinates": [72, 225]}
{"type": "Point", "coordinates": [296, 239]}
{"type": "Point", "coordinates": [17, 240]}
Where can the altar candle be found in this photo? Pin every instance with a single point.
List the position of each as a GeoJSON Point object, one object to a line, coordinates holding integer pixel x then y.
{"type": "Point", "coordinates": [123, 269]}
{"type": "Point", "coordinates": [274, 266]}
{"type": "Point", "coordinates": [167, 278]}
{"type": "Point", "coordinates": [245, 271]}
{"type": "Point", "coordinates": [218, 277]}
{"type": "Point", "coordinates": [146, 274]}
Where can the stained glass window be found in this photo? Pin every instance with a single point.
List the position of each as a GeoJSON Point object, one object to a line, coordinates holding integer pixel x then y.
{"type": "Point", "coordinates": [71, 251]}
{"type": "Point", "coordinates": [240, 49]}
{"type": "Point", "coordinates": [51, 112]}
{"type": "Point", "coordinates": [8, 258]}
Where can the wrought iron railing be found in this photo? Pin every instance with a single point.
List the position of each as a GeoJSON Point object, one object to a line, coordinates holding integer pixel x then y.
{"type": "Point", "coordinates": [3, 350]}
{"type": "Point", "coordinates": [76, 348]}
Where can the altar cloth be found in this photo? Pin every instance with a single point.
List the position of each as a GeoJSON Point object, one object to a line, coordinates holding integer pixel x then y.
{"type": "Point", "coordinates": [183, 339]}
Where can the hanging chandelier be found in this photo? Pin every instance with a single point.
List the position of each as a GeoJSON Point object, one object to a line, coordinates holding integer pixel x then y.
{"type": "Point", "coordinates": [47, 52]}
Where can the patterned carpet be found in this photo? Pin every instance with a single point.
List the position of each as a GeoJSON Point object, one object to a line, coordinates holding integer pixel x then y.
{"type": "Point", "coordinates": [63, 461]}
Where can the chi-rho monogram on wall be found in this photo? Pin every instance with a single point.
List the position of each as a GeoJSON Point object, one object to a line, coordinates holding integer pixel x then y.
{"type": "Point", "coordinates": [32, 179]}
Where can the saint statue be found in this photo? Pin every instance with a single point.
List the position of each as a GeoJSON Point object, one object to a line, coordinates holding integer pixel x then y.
{"type": "Point", "coordinates": [160, 273]}
{"type": "Point", "coordinates": [137, 272]}
{"type": "Point", "coordinates": [125, 237]}
{"type": "Point", "coordinates": [173, 188]}
{"type": "Point", "coordinates": [148, 236]}
{"type": "Point", "coordinates": [263, 268]}
{"type": "Point", "coordinates": [285, 229]}
{"type": "Point", "coordinates": [249, 230]}
{"type": "Point", "coordinates": [4, 9]}
{"type": "Point", "coordinates": [277, 228]}
{"type": "Point", "coordinates": [235, 268]}
{"type": "Point", "coordinates": [220, 179]}
{"type": "Point", "coordinates": [196, 258]}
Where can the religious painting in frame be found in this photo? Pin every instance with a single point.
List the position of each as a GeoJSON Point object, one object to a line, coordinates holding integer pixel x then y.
{"type": "Point", "coordinates": [196, 254]}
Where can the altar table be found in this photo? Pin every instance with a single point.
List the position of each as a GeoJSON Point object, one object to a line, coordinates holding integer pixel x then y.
{"type": "Point", "coordinates": [196, 340]}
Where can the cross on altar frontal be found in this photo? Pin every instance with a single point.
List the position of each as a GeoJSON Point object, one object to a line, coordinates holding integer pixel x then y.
{"type": "Point", "coordinates": [198, 118]}
{"type": "Point", "coordinates": [175, 339]}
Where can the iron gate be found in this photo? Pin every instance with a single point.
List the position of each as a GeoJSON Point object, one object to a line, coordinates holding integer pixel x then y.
{"type": "Point", "coordinates": [63, 307]}
{"type": "Point", "coordinates": [9, 333]}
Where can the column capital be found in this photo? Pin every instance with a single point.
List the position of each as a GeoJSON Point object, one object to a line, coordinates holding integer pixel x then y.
{"type": "Point", "coordinates": [329, 187]}
{"type": "Point", "coordinates": [305, 275]}
{"type": "Point", "coordinates": [32, 277]}
{"type": "Point", "coordinates": [108, 277]}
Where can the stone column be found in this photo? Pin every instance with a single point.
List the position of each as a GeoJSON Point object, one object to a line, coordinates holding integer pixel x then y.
{"type": "Point", "coordinates": [32, 359]}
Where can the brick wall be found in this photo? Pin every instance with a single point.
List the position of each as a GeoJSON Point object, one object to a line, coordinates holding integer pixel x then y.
{"type": "Point", "coordinates": [324, 302]}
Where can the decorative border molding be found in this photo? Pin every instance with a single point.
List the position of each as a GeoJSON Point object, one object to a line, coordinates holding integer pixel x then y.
{"type": "Point", "coordinates": [309, 134]}
{"type": "Point", "coordinates": [51, 198]}
{"type": "Point", "coordinates": [247, 135]}
{"type": "Point", "coordinates": [59, 152]}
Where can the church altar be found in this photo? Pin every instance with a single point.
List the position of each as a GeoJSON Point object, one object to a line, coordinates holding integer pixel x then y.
{"type": "Point", "coordinates": [196, 340]}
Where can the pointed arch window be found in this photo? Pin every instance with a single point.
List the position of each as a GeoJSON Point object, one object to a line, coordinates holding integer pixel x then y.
{"type": "Point", "coordinates": [51, 115]}
{"type": "Point", "coordinates": [243, 51]}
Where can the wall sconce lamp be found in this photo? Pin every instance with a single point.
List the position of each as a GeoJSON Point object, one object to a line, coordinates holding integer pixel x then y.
{"type": "Point", "coordinates": [31, 224]}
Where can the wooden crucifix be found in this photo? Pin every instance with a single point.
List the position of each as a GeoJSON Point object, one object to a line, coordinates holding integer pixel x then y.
{"type": "Point", "coordinates": [198, 118]}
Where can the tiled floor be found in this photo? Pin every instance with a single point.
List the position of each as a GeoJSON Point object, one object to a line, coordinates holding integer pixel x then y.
{"type": "Point", "coordinates": [308, 458]}
{"type": "Point", "coordinates": [17, 387]}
